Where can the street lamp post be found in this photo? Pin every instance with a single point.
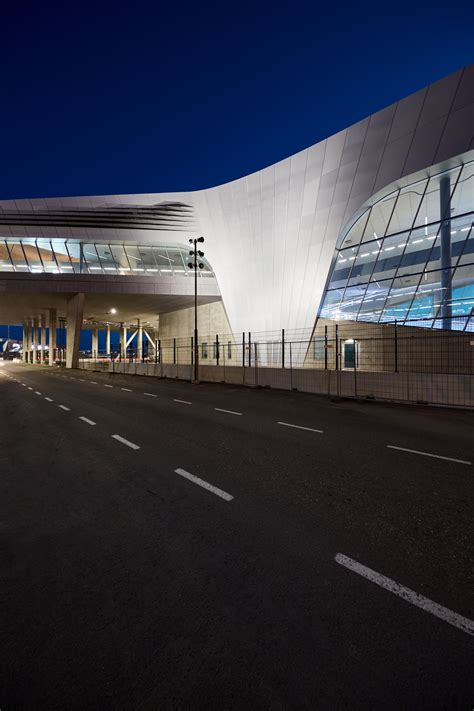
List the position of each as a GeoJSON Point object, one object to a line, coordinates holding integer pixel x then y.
{"type": "Point", "coordinates": [195, 253]}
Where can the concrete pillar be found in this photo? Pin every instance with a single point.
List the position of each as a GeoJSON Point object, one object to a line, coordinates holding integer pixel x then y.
{"type": "Point", "coordinates": [26, 342]}
{"type": "Point", "coordinates": [52, 336]}
{"type": "Point", "coordinates": [139, 341]}
{"type": "Point", "coordinates": [75, 312]}
{"type": "Point", "coordinates": [95, 342]}
{"type": "Point", "coordinates": [107, 340]}
{"type": "Point", "coordinates": [445, 239]}
{"type": "Point", "coordinates": [35, 339]}
{"type": "Point", "coordinates": [43, 341]}
{"type": "Point", "coordinates": [123, 341]}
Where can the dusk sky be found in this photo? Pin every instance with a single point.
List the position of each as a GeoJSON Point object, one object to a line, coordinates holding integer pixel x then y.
{"type": "Point", "coordinates": [109, 98]}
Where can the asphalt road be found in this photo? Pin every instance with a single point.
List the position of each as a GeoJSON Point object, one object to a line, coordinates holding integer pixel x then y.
{"type": "Point", "coordinates": [276, 580]}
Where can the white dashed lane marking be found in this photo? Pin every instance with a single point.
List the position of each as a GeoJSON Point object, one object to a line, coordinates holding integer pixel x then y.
{"type": "Point", "coordinates": [205, 485]}
{"type": "Point", "coordinates": [85, 419]}
{"type": "Point", "coordinates": [63, 407]}
{"type": "Point", "coordinates": [108, 386]}
{"type": "Point", "coordinates": [299, 427]}
{"type": "Point", "coordinates": [37, 392]}
{"type": "Point", "coordinates": [183, 402]}
{"type": "Point", "coordinates": [229, 412]}
{"type": "Point", "coordinates": [427, 454]}
{"type": "Point", "coordinates": [126, 390]}
{"type": "Point", "coordinates": [150, 394]}
{"type": "Point", "coordinates": [127, 442]}
{"type": "Point", "coordinates": [49, 399]}
{"type": "Point", "coordinates": [424, 603]}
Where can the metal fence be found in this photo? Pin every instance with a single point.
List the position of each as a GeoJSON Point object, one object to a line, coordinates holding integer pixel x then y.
{"type": "Point", "coordinates": [345, 359]}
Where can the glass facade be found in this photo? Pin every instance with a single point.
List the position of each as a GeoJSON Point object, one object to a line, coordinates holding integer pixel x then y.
{"type": "Point", "coordinates": [59, 256]}
{"type": "Point", "coordinates": [410, 257]}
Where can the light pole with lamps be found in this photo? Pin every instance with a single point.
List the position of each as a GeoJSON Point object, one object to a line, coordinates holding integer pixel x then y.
{"type": "Point", "coordinates": [195, 253]}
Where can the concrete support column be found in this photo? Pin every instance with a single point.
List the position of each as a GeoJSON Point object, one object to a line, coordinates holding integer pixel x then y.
{"type": "Point", "coordinates": [123, 341]}
{"type": "Point", "coordinates": [43, 341]}
{"type": "Point", "coordinates": [75, 312]}
{"type": "Point", "coordinates": [95, 342]}
{"type": "Point", "coordinates": [52, 336]}
{"type": "Point", "coordinates": [139, 341]}
{"type": "Point", "coordinates": [26, 342]}
{"type": "Point", "coordinates": [107, 340]}
{"type": "Point", "coordinates": [35, 339]}
{"type": "Point", "coordinates": [445, 239]}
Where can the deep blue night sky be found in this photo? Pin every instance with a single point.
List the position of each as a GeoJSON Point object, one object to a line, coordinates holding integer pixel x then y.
{"type": "Point", "coordinates": [112, 98]}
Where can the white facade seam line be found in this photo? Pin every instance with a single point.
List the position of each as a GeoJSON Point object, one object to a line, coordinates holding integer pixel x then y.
{"type": "Point", "coordinates": [424, 603]}
{"type": "Point", "coordinates": [300, 427]}
{"type": "Point", "coordinates": [205, 485]}
{"type": "Point", "coordinates": [127, 442]}
{"type": "Point", "coordinates": [427, 454]}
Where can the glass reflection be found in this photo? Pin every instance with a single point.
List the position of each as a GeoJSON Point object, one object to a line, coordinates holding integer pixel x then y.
{"type": "Point", "coordinates": [407, 271]}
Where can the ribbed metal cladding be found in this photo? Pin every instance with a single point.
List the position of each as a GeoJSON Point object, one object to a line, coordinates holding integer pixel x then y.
{"type": "Point", "coordinates": [169, 216]}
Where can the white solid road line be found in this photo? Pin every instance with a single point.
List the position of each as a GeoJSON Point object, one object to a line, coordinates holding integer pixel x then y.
{"type": "Point", "coordinates": [108, 386]}
{"type": "Point", "coordinates": [427, 454]}
{"type": "Point", "coordinates": [150, 394]}
{"type": "Point", "coordinates": [49, 399]}
{"type": "Point", "coordinates": [127, 390]}
{"type": "Point", "coordinates": [299, 427]}
{"type": "Point", "coordinates": [229, 412]}
{"type": "Point", "coordinates": [84, 419]}
{"type": "Point", "coordinates": [205, 485]}
{"type": "Point", "coordinates": [424, 603]}
{"type": "Point", "coordinates": [63, 407]}
{"type": "Point", "coordinates": [125, 441]}
{"type": "Point", "coordinates": [184, 402]}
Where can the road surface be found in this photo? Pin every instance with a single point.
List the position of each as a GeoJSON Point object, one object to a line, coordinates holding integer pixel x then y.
{"type": "Point", "coordinates": [174, 546]}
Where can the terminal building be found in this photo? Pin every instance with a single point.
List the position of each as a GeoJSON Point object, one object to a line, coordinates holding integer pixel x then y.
{"type": "Point", "coordinates": [374, 224]}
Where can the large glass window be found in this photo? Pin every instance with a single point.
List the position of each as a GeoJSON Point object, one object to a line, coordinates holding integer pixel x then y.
{"type": "Point", "coordinates": [63, 256]}
{"type": "Point", "coordinates": [407, 207]}
{"type": "Point", "coordinates": [396, 272]}
{"type": "Point", "coordinates": [379, 217]}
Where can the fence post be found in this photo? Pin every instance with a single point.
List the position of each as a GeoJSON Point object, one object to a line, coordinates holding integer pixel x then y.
{"type": "Point", "coordinates": [291, 369]}
{"type": "Point", "coordinates": [325, 347]}
{"type": "Point", "coordinates": [250, 349]}
{"type": "Point", "coordinates": [355, 368]}
{"type": "Point", "coordinates": [282, 347]}
{"type": "Point", "coordinates": [256, 363]}
{"type": "Point", "coordinates": [217, 349]}
{"type": "Point", "coordinates": [396, 346]}
{"type": "Point", "coordinates": [174, 351]}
